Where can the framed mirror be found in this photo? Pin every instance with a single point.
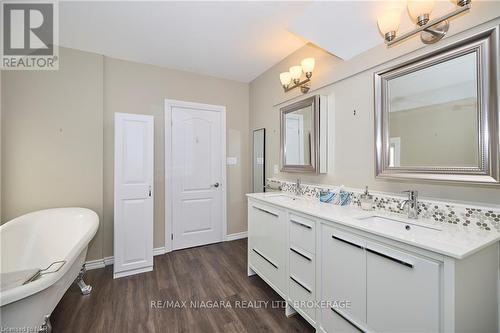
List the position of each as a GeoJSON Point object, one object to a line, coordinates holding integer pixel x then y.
{"type": "Point", "coordinates": [303, 135]}
{"type": "Point", "coordinates": [259, 160]}
{"type": "Point", "coordinates": [437, 116]}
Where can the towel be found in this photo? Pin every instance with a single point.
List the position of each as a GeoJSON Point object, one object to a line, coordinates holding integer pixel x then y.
{"type": "Point", "coordinates": [326, 196]}
{"type": "Point", "coordinates": [273, 186]}
{"type": "Point", "coordinates": [345, 198]}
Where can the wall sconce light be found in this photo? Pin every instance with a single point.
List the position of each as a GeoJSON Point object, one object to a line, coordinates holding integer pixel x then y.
{"type": "Point", "coordinates": [294, 74]}
{"type": "Point", "coordinates": [420, 11]}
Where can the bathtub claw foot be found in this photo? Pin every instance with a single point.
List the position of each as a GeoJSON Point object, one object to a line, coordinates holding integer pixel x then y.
{"type": "Point", "coordinates": [85, 289]}
{"type": "Point", "coordinates": [46, 326]}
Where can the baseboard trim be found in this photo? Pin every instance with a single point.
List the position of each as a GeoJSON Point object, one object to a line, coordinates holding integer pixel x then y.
{"type": "Point", "coordinates": [94, 264]}
{"type": "Point", "coordinates": [159, 251]}
{"type": "Point", "coordinates": [238, 235]}
{"type": "Point", "coordinates": [132, 272]}
{"type": "Point", "coordinates": [106, 261]}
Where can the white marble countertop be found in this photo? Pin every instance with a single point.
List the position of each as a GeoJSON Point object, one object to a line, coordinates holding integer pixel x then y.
{"type": "Point", "coordinates": [450, 240]}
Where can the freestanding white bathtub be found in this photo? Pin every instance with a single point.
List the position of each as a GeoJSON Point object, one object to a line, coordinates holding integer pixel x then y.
{"type": "Point", "coordinates": [34, 241]}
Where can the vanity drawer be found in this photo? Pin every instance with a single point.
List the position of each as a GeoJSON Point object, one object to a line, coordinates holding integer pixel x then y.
{"type": "Point", "coordinates": [266, 230]}
{"type": "Point", "coordinates": [268, 269]}
{"type": "Point", "coordinates": [302, 297]}
{"type": "Point", "coordinates": [302, 233]}
{"type": "Point", "coordinates": [302, 266]}
{"type": "Point", "coordinates": [302, 281]}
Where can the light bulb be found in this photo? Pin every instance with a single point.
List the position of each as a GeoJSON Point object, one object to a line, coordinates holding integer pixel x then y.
{"type": "Point", "coordinates": [296, 72]}
{"type": "Point", "coordinates": [285, 79]}
{"type": "Point", "coordinates": [388, 23]}
{"type": "Point", "coordinates": [308, 66]}
{"type": "Point", "coordinates": [420, 10]}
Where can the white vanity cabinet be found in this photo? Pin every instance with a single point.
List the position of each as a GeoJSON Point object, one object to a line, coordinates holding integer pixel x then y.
{"type": "Point", "coordinates": [387, 290]}
{"type": "Point", "coordinates": [363, 281]}
{"type": "Point", "coordinates": [267, 244]}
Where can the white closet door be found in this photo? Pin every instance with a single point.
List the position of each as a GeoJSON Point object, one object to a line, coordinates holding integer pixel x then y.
{"type": "Point", "coordinates": [134, 162]}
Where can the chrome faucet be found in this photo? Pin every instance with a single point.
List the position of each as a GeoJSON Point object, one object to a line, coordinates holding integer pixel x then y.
{"type": "Point", "coordinates": [298, 190]}
{"type": "Point", "coordinates": [412, 203]}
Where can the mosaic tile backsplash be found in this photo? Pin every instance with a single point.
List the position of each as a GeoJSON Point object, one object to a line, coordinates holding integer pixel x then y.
{"type": "Point", "coordinates": [457, 214]}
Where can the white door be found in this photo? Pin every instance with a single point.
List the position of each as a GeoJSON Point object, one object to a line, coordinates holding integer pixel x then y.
{"type": "Point", "coordinates": [133, 226]}
{"type": "Point", "coordinates": [196, 174]}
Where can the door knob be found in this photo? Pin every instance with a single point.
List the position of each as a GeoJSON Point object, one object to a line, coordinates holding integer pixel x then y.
{"type": "Point", "coordinates": [216, 185]}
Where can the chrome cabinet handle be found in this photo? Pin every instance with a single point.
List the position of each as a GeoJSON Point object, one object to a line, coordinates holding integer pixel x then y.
{"type": "Point", "coordinates": [399, 261]}
{"type": "Point", "coordinates": [300, 284]}
{"type": "Point", "coordinates": [264, 257]}
{"type": "Point", "coordinates": [347, 242]}
{"type": "Point", "coordinates": [301, 224]}
{"type": "Point", "coordinates": [300, 254]}
{"type": "Point", "coordinates": [265, 211]}
{"type": "Point", "coordinates": [350, 322]}
{"type": "Point", "coordinates": [216, 185]}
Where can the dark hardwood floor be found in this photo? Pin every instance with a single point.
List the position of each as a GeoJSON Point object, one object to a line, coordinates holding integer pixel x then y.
{"type": "Point", "coordinates": [212, 273]}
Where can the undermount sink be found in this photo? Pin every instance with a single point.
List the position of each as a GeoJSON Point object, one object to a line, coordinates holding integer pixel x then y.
{"type": "Point", "coordinates": [388, 224]}
{"type": "Point", "coordinates": [282, 198]}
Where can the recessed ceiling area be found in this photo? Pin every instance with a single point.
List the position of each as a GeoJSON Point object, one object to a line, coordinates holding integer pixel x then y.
{"type": "Point", "coordinates": [231, 40]}
{"type": "Point", "coordinates": [348, 28]}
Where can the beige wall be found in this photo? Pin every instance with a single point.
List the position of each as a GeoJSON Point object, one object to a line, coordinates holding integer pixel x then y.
{"type": "Point", "coordinates": [138, 88]}
{"type": "Point", "coordinates": [57, 135]}
{"type": "Point", "coordinates": [52, 132]}
{"type": "Point", "coordinates": [349, 85]}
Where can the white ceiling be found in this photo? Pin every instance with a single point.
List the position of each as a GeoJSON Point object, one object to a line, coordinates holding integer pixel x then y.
{"type": "Point", "coordinates": [232, 40]}
{"type": "Point", "coordinates": [348, 28]}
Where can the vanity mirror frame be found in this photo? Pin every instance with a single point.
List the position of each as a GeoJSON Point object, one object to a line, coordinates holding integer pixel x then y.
{"type": "Point", "coordinates": [485, 46]}
{"type": "Point", "coordinates": [314, 102]}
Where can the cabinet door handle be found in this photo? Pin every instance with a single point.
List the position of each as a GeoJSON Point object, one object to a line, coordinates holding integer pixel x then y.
{"type": "Point", "coordinates": [300, 284]}
{"type": "Point", "coordinates": [300, 254]}
{"type": "Point", "coordinates": [350, 322]}
{"type": "Point", "coordinates": [264, 257]}
{"type": "Point", "coordinates": [301, 224]}
{"type": "Point", "coordinates": [347, 242]}
{"type": "Point", "coordinates": [265, 211]}
{"type": "Point", "coordinates": [399, 261]}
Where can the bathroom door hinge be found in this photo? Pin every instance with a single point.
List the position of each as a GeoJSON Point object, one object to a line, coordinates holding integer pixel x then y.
{"type": "Point", "coordinates": [172, 236]}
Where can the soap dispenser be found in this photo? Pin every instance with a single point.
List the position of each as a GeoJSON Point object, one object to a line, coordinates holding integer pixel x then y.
{"type": "Point", "coordinates": [366, 200]}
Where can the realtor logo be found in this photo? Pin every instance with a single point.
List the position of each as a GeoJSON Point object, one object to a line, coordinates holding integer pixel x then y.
{"type": "Point", "coordinates": [29, 33]}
